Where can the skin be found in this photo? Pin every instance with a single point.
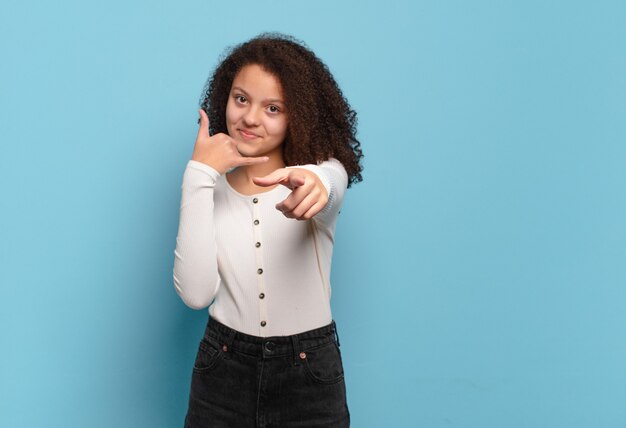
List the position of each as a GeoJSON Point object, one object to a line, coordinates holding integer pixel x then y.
{"type": "Point", "coordinates": [257, 123]}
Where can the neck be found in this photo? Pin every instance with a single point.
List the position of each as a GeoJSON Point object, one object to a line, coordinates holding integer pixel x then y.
{"type": "Point", "coordinates": [241, 178]}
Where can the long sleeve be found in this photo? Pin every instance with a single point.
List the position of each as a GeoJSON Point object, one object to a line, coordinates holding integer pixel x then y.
{"type": "Point", "coordinates": [196, 277]}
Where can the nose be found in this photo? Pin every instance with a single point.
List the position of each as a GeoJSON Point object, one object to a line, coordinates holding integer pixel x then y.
{"type": "Point", "coordinates": [251, 118]}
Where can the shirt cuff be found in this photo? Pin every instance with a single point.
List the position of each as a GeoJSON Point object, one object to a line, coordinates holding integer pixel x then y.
{"type": "Point", "coordinates": [212, 172]}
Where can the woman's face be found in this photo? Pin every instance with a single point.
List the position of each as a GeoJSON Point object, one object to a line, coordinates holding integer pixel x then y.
{"type": "Point", "coordinates": [255, 114]}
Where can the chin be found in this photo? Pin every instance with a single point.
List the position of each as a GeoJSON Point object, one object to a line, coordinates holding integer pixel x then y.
{"type": "Point", "coordinates": [248, 152]}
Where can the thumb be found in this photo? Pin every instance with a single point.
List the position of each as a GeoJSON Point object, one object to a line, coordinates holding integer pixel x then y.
{"type": "Point", "coordinates": [204, 124]}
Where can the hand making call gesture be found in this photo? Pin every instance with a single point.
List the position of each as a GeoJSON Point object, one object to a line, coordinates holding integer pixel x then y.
{"type": "Point", "coordinates": [308, 195]}
{"type": "Point", "coordinates": [220, 150]}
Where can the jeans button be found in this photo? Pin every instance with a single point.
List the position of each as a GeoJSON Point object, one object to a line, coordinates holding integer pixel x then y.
{"type": "Point", "coordinates": [270, 346]}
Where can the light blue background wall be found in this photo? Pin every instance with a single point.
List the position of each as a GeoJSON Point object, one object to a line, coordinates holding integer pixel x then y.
{"type": "Point", "coordinates": [479, 276]}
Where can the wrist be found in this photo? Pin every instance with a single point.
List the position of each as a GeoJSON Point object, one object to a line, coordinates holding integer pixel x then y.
{"type": "Point", "coordinates": [210, 163]}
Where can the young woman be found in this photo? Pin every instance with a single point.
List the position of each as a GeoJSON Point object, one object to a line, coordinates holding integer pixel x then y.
{"type": "Point", "coordinates": [275, 152]}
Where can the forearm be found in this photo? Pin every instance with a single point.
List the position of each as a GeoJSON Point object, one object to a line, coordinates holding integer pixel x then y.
{"type": "Point", "coordinates": [196, 278]}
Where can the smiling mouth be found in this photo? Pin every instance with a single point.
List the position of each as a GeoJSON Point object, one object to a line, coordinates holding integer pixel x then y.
{"type": "Point", "coordinates": [247, 135]}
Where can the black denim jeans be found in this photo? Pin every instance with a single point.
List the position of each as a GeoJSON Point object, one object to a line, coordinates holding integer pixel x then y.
{"type": "Point", "coordinates": [242, 381]}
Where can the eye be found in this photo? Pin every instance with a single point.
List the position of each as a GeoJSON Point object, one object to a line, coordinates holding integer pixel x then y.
{"type": "Point", "coordinates": [240, 99]}
{"type": "Point", "coordinates": [273, 109]}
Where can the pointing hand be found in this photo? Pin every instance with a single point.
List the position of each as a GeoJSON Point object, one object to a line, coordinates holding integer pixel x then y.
{"type": "Point", "coordinates": [308, 195]}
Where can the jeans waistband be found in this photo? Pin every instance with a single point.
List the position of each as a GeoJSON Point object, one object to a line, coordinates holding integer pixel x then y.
{"type": "Point", "coordinates": [273, 346]}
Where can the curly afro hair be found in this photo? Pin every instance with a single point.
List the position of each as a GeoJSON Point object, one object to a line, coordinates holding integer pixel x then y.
{"type": "Point", "coordinates": [321, 123]}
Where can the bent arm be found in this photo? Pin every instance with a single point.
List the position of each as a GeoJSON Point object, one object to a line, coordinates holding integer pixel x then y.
{"type": "Point", "coordinates": [196, 278]}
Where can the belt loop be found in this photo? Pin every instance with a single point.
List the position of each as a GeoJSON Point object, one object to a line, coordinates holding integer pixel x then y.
{"type": "Point", "coordinates": [296, 349]}
{"type": "Point", "coordinates": [336, 334]}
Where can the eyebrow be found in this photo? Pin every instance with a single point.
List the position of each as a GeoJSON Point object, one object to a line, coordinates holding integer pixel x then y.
{"type": "Point", "coordinates": [270, 100]}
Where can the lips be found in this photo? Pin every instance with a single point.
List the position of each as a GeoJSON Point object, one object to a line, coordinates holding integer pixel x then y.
{"type": "Point", "coordinates": [247, 134]}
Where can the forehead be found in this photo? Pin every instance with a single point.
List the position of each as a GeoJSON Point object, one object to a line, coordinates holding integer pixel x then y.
{"type": "Point", "coordinates": [258, 83]}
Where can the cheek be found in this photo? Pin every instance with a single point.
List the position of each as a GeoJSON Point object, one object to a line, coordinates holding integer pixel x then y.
{"type": "Point", "coordinates": [279, 127]}
{"type": "Point", "coordinates": [230, 113]}
{"type": "Point", "coordinates": [232, 117]}
{"type": "Point", "coordinates": [234, 112]}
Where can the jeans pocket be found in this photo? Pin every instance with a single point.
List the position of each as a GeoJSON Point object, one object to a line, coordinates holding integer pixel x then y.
{"type": "Point", "coordinates": [323, 364]}
{"type": "Point", "coordinates": [209, 353]}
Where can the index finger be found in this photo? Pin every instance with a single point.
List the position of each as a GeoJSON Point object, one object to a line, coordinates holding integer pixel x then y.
{"type": "Point", "coordinates": [289, 179]}
{"type": "Point", "coordinates": [242, 160]}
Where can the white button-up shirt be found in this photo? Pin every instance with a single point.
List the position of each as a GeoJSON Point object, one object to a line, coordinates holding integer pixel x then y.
{"type": "Point", "coordinates": [261, 273]}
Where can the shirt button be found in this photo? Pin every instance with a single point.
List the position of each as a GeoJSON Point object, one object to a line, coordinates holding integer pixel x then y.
{"type": "Point", "coordinates": [258, 244]}
{"type": "Point", "coordinates": [262, 296]}
{"type": "Point", "coordinates": [256, 222]}
{"type": "Point", "coordinates": [263, 323]}
{"type": "Point", "coordinates": [255, 200]}
{"type": "Point", "coordinates": [259, 271]}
